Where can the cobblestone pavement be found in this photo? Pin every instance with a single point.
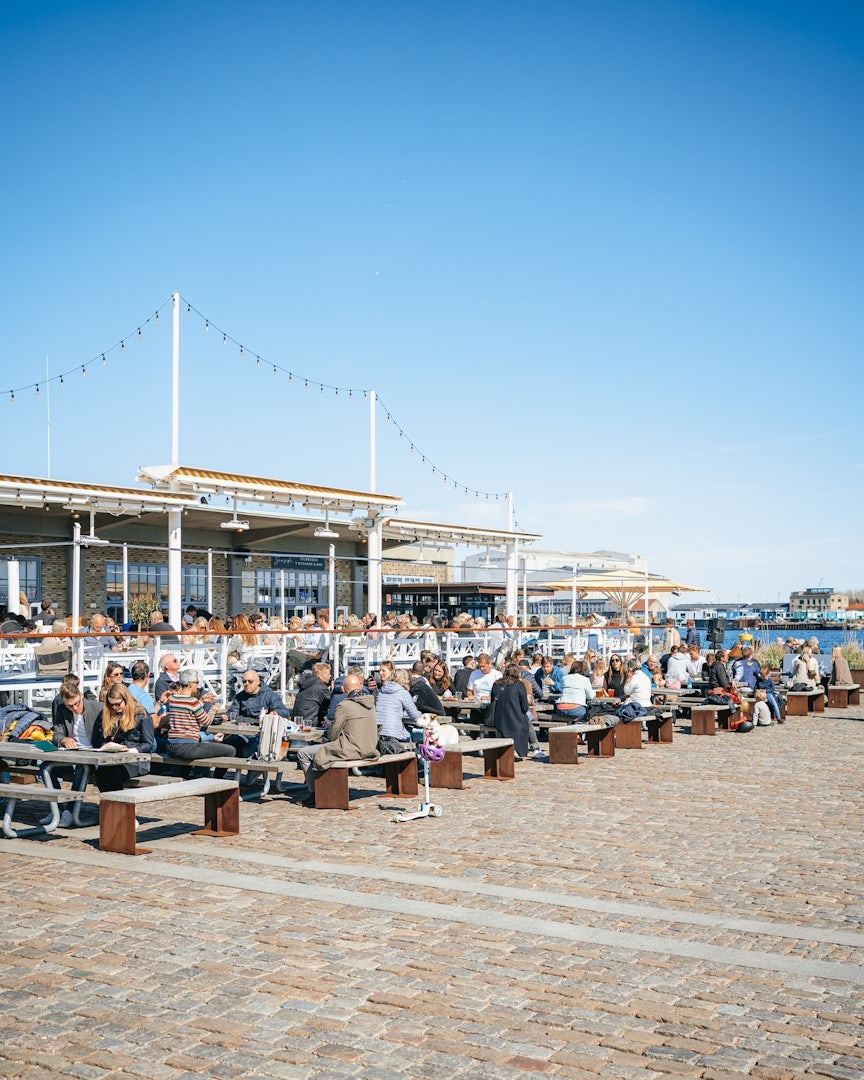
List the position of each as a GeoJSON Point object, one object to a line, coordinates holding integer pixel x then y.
{"type": "Point", "coordinates": [694, 910]}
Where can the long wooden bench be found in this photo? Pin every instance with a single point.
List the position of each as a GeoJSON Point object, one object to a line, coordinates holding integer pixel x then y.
{"type": "Point", "coordinates": [498, 762]}
{"type": "Point", "coordinates": [659, 724]}
{"type": "Point", "coordinates": [15, 793]}
{"type": "Point", "coordinates": [705, 718]}
{"type": "Point", "coordinates": [270, 770]}
{"type": "Point", "coordinates": [565, 740]}
{"type": "Point", "coordinates": [841, 697]}
{"type": "Point", "coordinates": [117, 810]}
{"type": "Point", "coordinates": [400, 775]}
{"type": "Point", "coordinates": [802, 702]}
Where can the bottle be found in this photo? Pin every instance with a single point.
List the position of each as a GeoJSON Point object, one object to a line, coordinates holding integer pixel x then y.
{"type": "Point", "coordinates": [689, 683]}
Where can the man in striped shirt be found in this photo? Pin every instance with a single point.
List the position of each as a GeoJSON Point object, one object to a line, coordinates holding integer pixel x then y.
{"type": "Point", "coordinates": [188, 719]}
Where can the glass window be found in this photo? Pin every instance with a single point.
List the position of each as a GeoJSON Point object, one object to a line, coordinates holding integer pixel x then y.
{"type": "Point", "coordinates": [151, 579]}
{"type": "Point", "coordinates": [29, 579]}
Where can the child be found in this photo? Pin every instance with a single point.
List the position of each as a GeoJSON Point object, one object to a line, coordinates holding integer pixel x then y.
{"type": "Point", "coordinates": [766, 683]}
{"type": "Point", "coordinates": [761, 712]}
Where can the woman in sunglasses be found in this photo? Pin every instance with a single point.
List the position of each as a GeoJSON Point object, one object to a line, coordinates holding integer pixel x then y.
{"type": "Point", "coordinates": [123, 721]}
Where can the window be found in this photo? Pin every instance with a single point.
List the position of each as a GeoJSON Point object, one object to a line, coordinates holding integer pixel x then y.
{"type": "Point", "coordinates": [302, 589]}
{"type": "Point", "coordinates": [152, 579]}
{"type": "Point", "coordinates": [29, 579]}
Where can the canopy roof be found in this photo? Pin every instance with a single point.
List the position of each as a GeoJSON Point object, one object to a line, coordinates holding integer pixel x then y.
{"type": "Point", "coordinates": [623, 587]}
{"type": "Point", "coordinates": [257, 489]}
{"type": "Point", "coordinates": [414, 532]}
{"type": "Point", "coordinates": [72, 495]}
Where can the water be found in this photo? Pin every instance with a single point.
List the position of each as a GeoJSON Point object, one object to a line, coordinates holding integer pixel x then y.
{"type": "Point", "coordinates": [827, 638]}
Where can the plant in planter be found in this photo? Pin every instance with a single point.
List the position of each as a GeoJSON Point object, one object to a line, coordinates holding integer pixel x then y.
{"type": "Point", "coordinates": [141, 607]}
{"type": "Point", "coordinates": [854, 654]}
{"type": "Point", "coordinates": [771, 656]}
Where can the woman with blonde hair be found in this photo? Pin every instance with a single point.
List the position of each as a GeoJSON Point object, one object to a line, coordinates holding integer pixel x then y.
{"type": "Point", "coordinates": [241, 643]}
{"type": "Point", "coordinates": [122, 721]}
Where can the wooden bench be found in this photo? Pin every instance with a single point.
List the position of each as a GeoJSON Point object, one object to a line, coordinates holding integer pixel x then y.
{"type": "Point", "coordinates": [498, 762]}
{"type": "Point", "coordinates": [841, 697]}
{"type": "Point", "coordinates": [117, 810]}
{"type": "Point", "coordinates": [705, 718]}
{"type": "Point", "coordinates": [565, 739]}
{"type": "Point", "coordinates": [270, 770]}
{"type": "Point", "coordinates": [802, 702]}
{"type": "Point", "coordinates": [400, 775]}
{"type": "Point", "coordinates": [659, 725]}
{"type": "Point", "coordinates": [15, 793]}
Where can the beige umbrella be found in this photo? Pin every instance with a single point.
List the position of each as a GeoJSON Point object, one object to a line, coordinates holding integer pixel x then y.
{"type": "Point", "coordinates": [623, 587]}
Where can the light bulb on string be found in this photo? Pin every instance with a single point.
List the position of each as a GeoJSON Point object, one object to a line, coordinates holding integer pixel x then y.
{"type": "Point", "coordinates": [83, 372]}
{"type": "Point", "coordinates": [322, 388]}
{"type": "Point", "coordinates": [241, 350]}
{"type": "Point", "coordinates": [11, 397]}
{"type": "Point", "coordinates": [224, 339]}
{"type": "Point", "coordinates": [157, 316]}
{"type": "Point", "coordinates": [274, 371]}
{"type": "Point", "coordinates": [257, 361]}
{"type": "Point", "coordinates": [290, 377]}
{"type": "Point", "coordinates": [305, 384]}
{"type": "Point", "coordinates": [207, 325]}
{"type": "Point", "coordinates": [104, 361]}
{"type": "Point", "coordinates": [122, 346]}
{"type": "Point", "coordinates": [140, 335]}
{"type": "Point", "coordinates": [37, 389]}
{"type": "Point", "coordinates": [61, 382]}
{"type": "Point", "coordinates": [188, 309]}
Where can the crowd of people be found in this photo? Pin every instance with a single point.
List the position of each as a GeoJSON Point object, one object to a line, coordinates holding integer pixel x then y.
{"type": "Point", "coordinates": [365, 716]}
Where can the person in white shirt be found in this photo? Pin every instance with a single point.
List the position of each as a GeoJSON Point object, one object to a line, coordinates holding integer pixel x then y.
{"type": "Point", "coordinates": [482, 679]}
{"type": "Point", "coordinates": [678, 665]}
{"type": "Point", "coordinates": [638, 685]}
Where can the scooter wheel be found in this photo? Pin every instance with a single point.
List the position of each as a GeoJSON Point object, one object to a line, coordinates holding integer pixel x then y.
{"type": "Point", "coordinates": [436, 811]}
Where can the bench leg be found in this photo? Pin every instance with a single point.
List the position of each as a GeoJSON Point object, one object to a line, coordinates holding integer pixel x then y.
{"type": "Point", "coordinates": [628, 736]}
{"type": "Point", "coordinates": [601, 743]}
{"type": "Point", "coordinates": [817, 703]}
{"type": "Point", "coordinates": [331, 790]}
{"type": "Point", "coordinates": [703, 721]}
{"type": "Point", "coordinates": [660, 729]}
{"type": "Point", "coordinates": [855, 696]}
{"type": "Point", "coordinates": [117, 828]}
{"type": "Point", "coordinates": [221, 814]}
{"type": "Point", "coordinates": [401, 778]}
{"type": "Point", "coordinates": [796, 706]}
{"type": "Point", "coordinates": [7, 819]}
{"type": "Point", "coordinates": [448, 772]}
{"type": "Point", "coordinates": [499, 764]}
{"type": "Point", "coordinates": [564, 747]}
{"type": "Point", "coordinates": [838, 699]}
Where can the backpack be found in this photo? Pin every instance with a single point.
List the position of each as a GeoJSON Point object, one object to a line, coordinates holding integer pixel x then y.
{"type": "Point", "coordinates": [270, 742]}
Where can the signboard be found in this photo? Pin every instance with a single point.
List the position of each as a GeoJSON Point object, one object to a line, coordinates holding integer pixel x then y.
{"type": "Point", "coordinates": [404, 579]}
{"type": "Point", "coordinates": [298, 562]}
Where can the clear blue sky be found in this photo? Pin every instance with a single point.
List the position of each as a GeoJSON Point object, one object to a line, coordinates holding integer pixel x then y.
{"type": "Point", "coordinates": [605, 254]}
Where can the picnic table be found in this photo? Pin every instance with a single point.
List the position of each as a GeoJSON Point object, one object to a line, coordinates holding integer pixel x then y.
{"type": "Point", "coordinates": [49, 760]}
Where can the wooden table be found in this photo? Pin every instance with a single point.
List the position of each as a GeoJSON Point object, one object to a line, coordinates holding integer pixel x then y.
{"type": "Point", "coordinates": [86, 760]}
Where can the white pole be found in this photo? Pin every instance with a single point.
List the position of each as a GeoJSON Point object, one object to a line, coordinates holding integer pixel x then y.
{"type": "Point", "coordinates": [76, 576]}
{"type": "Point", "coordinates": [48, 414]}
{"type": "Point", "coordinates": [175, 516]}
{"type": "Point", "coordinates": [175, 382]}
{"type": "Point", "coordinates": [125, 583]}
{"type": "Point", "coordinates": [510, 511]}
{"type": "Point", "coordinates": [331, 596]}
{"type": "Point", "coordinates": [282, 596]}
{"type": "Point", "coordinates": [372, 466]}
{"type": "Point", "coordinates": [210, 579]}
{"type": "Point", "coordinates": [13, 582]}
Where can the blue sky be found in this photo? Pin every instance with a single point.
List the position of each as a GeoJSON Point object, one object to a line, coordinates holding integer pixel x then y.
{"type": "Point", "coordinates": [606, 255]}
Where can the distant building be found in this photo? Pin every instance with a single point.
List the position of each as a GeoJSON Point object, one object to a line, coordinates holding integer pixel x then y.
{"type": "Point", "coordinates": [818, 603]}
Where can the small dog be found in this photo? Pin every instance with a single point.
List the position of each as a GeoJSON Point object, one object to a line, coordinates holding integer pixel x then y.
{"type": "Point", "coordinates": [439, 734]}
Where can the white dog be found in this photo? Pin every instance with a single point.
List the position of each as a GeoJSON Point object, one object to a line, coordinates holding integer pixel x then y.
{"type": "Point", "coordinates": [438, 733]}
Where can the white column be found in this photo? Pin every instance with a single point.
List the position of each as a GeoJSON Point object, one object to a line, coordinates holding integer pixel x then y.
{"type": "Point", "coordinates": [209, 580]}
{"type": "Point", "coordinates": [76, 576]}
{"type": "Point", "coordinates": [374, 544]}
{"type": "Point", "coordinates": [125, 583]}
{"type": "Point", "coordinates": [13, 580]}
{"type": "Point", "coordinates": [175, 575]}
{"type": "Point", "coordinates": [512, 579]}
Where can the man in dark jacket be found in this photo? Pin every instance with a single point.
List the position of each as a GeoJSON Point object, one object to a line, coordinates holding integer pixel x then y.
{"type": "Point", "coordinates": [74, 723]}
{"type": "Point", "coordinates": [353, 734]}
{"type": "Point", "coordinates": [313, 697]}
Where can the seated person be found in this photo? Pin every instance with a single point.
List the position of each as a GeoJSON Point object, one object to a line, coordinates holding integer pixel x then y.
{"type": "Point", "coordinates": [638, 685]}
{"type": "Point", "coordinates": [187, 720]}
{"type": "Point", "coordinates": [392, 707]}
{"type": "Point", "coordinates": [248, 705]}
{"type": "Point", "coordinates": [353, 733]}
{"type": "Point", "coordinates": [313, 697]}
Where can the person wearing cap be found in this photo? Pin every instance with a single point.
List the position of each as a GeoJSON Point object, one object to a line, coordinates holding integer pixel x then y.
{"type": "Point", "coordinates": [187, 721]}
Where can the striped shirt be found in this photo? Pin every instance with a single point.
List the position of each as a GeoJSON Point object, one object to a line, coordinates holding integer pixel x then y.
{"type": "Point", "coordinates": [186, 717]}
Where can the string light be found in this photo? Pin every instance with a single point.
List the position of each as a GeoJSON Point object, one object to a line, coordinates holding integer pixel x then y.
{"type": "Point", "coordinates": [104, 361]}
{"type": "Point", "coordinates": [139, 333]}
{"type": "Point", "coordinates": [37, 389]}
{"type": "Point", "coordinates": [122, 346]}
{"type": "Point", "coordinates": [83, 372]}
{"type": "Point", "coordinates": [11, 397]}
